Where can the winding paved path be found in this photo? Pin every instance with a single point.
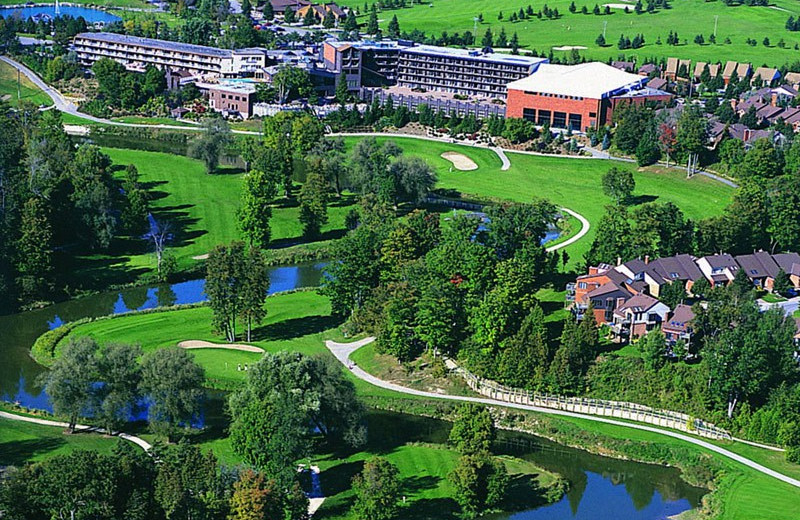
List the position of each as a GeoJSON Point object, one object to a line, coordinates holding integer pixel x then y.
{"type": "Point", "coordinates": [342, 352]}
{"type": "Point", "coordinates": [571, 240]}
{"type": "Point", "coordinates": [46, 422]}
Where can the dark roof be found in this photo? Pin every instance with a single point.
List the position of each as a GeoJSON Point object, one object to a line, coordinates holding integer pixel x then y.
{"type": "Point", "coordinates": [658, 83]}
{"type": "Point", "coordinates": [636, 265]}
{"type": "Point", "coordinates": [647, 68]}
{"type": "Point", "coordinates": [627, 66]}
{"type": "Point", "coordinates": [789, 262]}
{"type": "Point", "coordinates": [280, 6]}
{"type": "Point", "coordinates": [758, 265]}
{"type": "Point", "coordinates": [721, 261]}
{"type": "Point", "coordinates": [679, 319]}
{"type": "Point", "coordinates": [608, 288]}
{"type": "Point", "coordinates": [678, 267]}
{"type": "Point", "coordinates": [639, 303]}
{"type": "Point", "coordinates": [152, 43]}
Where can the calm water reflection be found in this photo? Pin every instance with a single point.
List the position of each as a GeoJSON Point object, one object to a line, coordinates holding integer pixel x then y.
{"type": "Point", "coordinates": [19, 373]}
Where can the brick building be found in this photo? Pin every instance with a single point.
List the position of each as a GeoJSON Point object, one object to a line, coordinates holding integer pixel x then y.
{"type": "Point", "coordinates": [364, 63]}
{"type": "Point", "coordinates": [577, 96]}
{"type": "Point", "coordinates": [232, 100]}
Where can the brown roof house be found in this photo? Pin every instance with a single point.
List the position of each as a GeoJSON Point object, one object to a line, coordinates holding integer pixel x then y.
{"type": "Point", "coordinates": [678, 326]}
{"type": "Point", "coordinates": [678, 268]}
{"type": "Point", "coordinates": [742, 70]}
{"type": "Point", "coordinates": [718, 269]}
{"type": "Point", "coordinates": [760, 268]}
{"type": "Point", "coordinates": [767, 75]}
{"type": "Point", "coordinates": [638, 316]}
{"type": "Point", "coordinates": [790, 263]}
{"type": "Point", "coordinates": [713, 68]}
{"type": "Point", "coordinates": [675, 67]}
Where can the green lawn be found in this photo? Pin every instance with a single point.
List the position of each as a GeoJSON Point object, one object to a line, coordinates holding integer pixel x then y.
{"type": "Point", "coordinates": [688, 17]}
{"type": "Point", "coordinates": [201, 209]}
{"type": "Point", "coordinates": [299, 321]}
{"type": "Point", "coordinates": [573, 183]}
{"type": "Point", "coordinates": [141, 120]}
{"type": "Point", "coordinates": [27, 90]}
{"type": "Point", "coordinates": [26, 442]}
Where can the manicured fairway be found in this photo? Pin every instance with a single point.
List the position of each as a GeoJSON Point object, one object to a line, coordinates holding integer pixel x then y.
{"type": "Point", "coordinates": [22, 442]}
{"type": "Point", "coordinates": [201, 209]}
{"type": "Point", "coordinates": [298, 322]}
{"type": "Point", "coordinates": [688, 17]}
{"type": "Point", "coordinates": [573, 183]}
{"type": "Point", "coordinates": [27, 90]}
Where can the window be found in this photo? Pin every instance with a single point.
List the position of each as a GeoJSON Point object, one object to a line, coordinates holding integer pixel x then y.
{"type": "Point", "coordinates": [581, 285]}
{"type": "Point", "coordinates": [544, 117]}
{"type": "Point", "coordinates": [575, 121]}
{"type": "Point", "coordinates": [559, 119]}
{"type": "Point", "coordinates": [592, 114]}
{"type": "Point", "coordinates": [529, 114]}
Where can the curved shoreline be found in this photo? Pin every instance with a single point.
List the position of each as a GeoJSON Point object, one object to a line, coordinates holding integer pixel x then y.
{"type": "Point", "coordinates": [342, 352]}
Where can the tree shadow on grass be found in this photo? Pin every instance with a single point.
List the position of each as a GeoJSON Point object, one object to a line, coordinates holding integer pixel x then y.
{"type": "Point", "coordinates": [331, 234]}
{"type": "Point", "coordinates": [431, 509]}
{"type": "Point", "coordinates": [337, 479]}
{"type": "Point", "coordinates": [17, 453]}
{"type": "Point", "coordinates": [641, 199]}
{"type": "Point", "coordinates": [420, 483]}
{"type": "Point", "coordinates": [295, 328]}
{"type": "Point", "coordinates": [523, 493]}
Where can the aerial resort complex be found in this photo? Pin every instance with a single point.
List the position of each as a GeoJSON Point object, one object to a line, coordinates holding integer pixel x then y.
{"type": "Point", "coordinates": [399, 260]}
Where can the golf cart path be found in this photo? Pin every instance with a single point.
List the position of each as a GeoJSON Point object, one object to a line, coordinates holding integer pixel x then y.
{"type": "Point", "coordinates": [580, 234]}
{"type": "Point", "coordinates": [342, 352]}
{"type": "Point", "coordinates": [46, 422]}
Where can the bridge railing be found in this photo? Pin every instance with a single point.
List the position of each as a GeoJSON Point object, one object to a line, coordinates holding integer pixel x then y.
{"type": "Point", "coordinates": [617, 409]}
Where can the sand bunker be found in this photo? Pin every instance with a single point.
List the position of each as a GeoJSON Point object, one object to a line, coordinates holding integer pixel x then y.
{"type": "Point", "coordinates": [196, 343]}
{"type": "Point", "coordinates": [569, 48]}
{"type": "Point", "coordinates": [460, 161]}
{"type": "Point", "coordinates": [200, 257]}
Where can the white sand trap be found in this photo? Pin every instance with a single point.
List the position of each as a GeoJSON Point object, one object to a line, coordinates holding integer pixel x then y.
{"type": "Point", "coordinates": [569, 48]}
{"type": "Point", "coordinates": [617, 6]}
{"type": "Point", "coordinates": [460, 161]}
{"type": "Point", "coordinates": [200, 257]}
{"type": "Point", "coordinates": [196, 343]}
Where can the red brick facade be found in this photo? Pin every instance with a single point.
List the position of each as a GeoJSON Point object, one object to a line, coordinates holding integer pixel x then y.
{"type": "Point", "coordinates": [569, 111]}
{"type": "Point", "coordinates": [539, 108]}
{"type": "Point", "coordinates": [233, 100]}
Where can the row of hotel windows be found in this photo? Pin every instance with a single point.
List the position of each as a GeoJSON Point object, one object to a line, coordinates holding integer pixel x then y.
{"type": "Point", "coordinates": [559, 96]}
{"type": "Point", "coordinates": [233, 97]}
{"type": "Point", "coordinates": [555, 119]}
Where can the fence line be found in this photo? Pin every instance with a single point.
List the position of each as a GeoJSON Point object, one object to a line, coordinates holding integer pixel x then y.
{"type": "Point", "coordinates": [618, 409]}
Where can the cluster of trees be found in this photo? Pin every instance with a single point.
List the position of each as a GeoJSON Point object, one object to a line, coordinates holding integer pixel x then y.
{"type": "Point", "coordinates": [465, 290]}
{"type": "Point", "coordinates": [109, 384]}
{"type": "Point", "coordinates": [53, 195]}
{"type": "Point", "coordinates": [627, 43]}
{"type": "Point", "coordinates": [642, 132]}
{"type": "Point", "coordinates": [287, 397]}
{"type": "Point", "coordinates": [60, 30]}
{"type": "Point", "coordinates": [119, 89]}
{"type": "Point", "coordinates": [169, 483]}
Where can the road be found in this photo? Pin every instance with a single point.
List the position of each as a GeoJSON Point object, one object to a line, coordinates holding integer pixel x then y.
{"type": "Point", "coordinates": [342, 352]}
{"type": "Point", "coordinates": [46, 422]}
{"type": "Point", "coordinates": [571, 240]}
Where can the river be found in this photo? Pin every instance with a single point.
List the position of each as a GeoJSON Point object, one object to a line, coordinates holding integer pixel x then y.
{"type": "Point", "coordinates": [599, 487]}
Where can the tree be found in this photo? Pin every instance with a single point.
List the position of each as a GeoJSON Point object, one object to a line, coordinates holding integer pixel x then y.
{"type": "Point", "coordinates": [701, 287]}
{"type": "Point", "coordinates": [71, 378]}
{"type": "Point", "coordinates": [288, 15]}
{"type": "Point", "coordinates": [154, 82]}
{"type": "Point", "coordinates": [519, 130]}
{"type": "Point", "coordinates": [258, 191]}
{"type": "Point", "coordinates": [393, 29]}
{"type": "Point", "coordinates": [480, 482]}
{"type": "Point", "coordinates": [350, 23]}
{"type": "Point", "coordinates": [691, 134]}
{"type": "Point", "coordinates": [660, 230]}
{"type": "Point", "coordinates": [159, 235]}
{"type": "Point", "coordinates": [488, 39]}
{"type": "Point", "coordinates": [210, 144]}
{"type": "Point", "coordinates": [600, 41]}
{"type": "Point", "coordinates": [526, 355]}
{"type": "Point", "coordinates": [648, 151]}
{"type": "Point", "coordinates": [372, 22]}
{"type": "Point", "coordinates": [473, 430]}
{"type": "Point", "coordinates": [342, 90]}
{"type": "Point", "coordinates": [762, 160]}
{"type": "Point", "coordinates": [92, 196]}
{"type": "Point", "coordinates": [172, 381]}
{"type": "Point", "coordinates": [226, 279]}
{"type": "Point", "coordinates": [672, 294]}
{"type": "Point", "coordinates": [633, 121]}
{"type": "Point", "coordinates": [783, 283]}
{"type": "Point", "coordinates": [254, 290]}
{"type": "Point", "coordinates": [255, 498]}
{"type": "Point", "coordinates": [377, 490]}
{"type": "Point", "coordinates": [310, 17]}
{"type": "Point", "coordinates": [612, 239]}
{"type": "Point", "coordinates": [618, 184]}
{"type": "Point", "coordinates": [136, 208]}
{"type": "Point", "coordinates": [313, 200]}
{"type": "Point", "coordinates": [119, 374]}
{"type": "Point", "coordinates": [109, 75]}
{"type": "Point", "coordinates": [654, 348]}
{"type": "Point", "coordinates": [187, 483]}
{"type": "Point", "coordinates": [34, 257]}
{"type": "Point", "coordinates": [516, 225]}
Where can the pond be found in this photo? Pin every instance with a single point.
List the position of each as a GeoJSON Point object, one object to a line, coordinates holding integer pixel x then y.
{"type": "Point", "coordinates": [19, 372]}
{"type": "Point", "coordinates": [49, 12]}
{"type": "Point", "coordinates": [600, 487]}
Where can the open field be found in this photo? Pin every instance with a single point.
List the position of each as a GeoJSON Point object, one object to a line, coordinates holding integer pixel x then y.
{"type": "Point", "coordinates": [28, 91]}
{"type": "Point", "coordinates": [688, 17]}
{"type": "Point", "coordinates": [573, 183]}
{"type": "Point", "coordinates": [202, 211]}
{"type": "Point", "coordinates": [25, 442]}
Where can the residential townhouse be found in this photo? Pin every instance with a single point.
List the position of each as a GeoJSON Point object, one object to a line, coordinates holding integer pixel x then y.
{"type": "Point", "coordinates": [718, 269]}
{"type": "Point", "coordinates": [637, 316]}
{"type": "Point", "coordinates": [678, 325]}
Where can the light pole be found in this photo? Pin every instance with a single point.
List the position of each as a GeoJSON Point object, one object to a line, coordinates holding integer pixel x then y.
{"type": "Point", "coordinates": [716, 17]}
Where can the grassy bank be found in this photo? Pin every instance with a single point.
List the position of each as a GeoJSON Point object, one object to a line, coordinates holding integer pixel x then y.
{"type": "Point", "coordinates": [27, 90]}
{"type": "Point", "coordinates": [688, 17]}
{"type": "Point", "coordinates": [22, 442]}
